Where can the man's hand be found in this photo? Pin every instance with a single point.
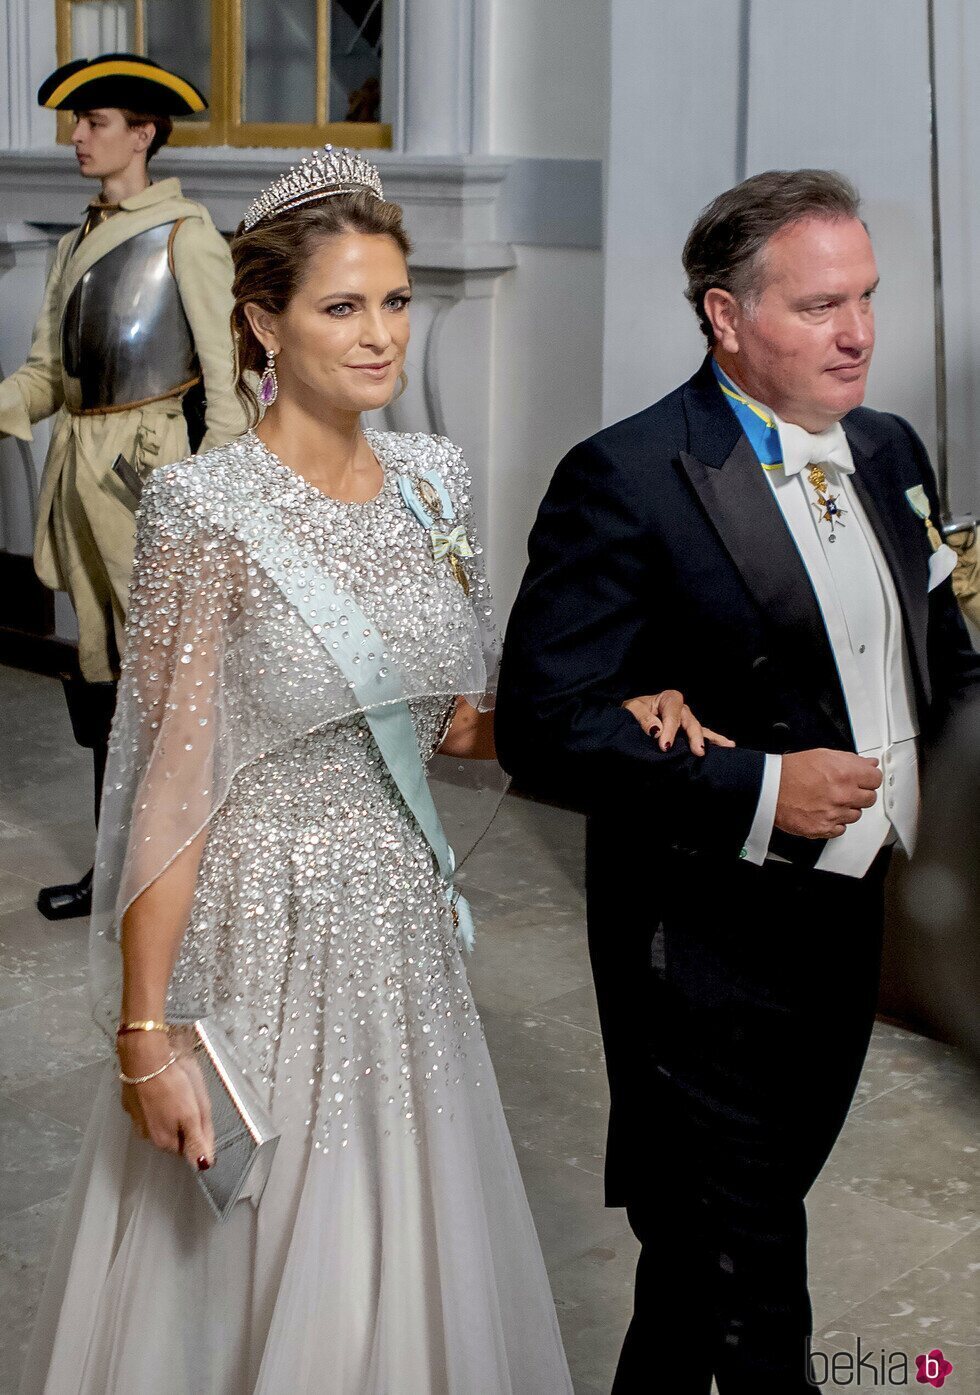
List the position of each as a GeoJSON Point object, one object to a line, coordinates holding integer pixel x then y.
{"type": "Point", "coordinates": [821, 792]}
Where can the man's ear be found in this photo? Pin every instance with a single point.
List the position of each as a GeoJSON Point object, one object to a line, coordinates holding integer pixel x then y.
{"type": "Point", "coordinates": [144, 136]}
{"type": "Point", "coordinates": [725, 314]}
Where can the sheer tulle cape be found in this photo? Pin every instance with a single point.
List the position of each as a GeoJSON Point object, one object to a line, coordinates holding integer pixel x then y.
{"type": "Point", "coordinates": [199, 700]}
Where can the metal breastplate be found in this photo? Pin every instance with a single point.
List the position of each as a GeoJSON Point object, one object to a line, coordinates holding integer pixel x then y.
{"type": "Point", "coordinates": [125, 336]}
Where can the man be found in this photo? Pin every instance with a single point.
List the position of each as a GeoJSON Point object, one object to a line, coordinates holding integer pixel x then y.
{"type": "Point", "coordinates": [136, 313]}
{"type": "Point", "coordinates": [757, 539]}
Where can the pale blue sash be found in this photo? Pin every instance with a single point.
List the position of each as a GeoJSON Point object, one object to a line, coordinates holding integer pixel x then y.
{"type": "Point", "coordinates": [348, 637]}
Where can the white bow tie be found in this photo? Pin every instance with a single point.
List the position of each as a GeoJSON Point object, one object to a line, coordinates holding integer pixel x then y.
{"type": "Point", "coordinates": [802, 449]}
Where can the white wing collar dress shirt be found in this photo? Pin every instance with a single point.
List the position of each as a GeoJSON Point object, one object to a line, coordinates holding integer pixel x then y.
{"type": "Point", "coordinates": [863, 620]}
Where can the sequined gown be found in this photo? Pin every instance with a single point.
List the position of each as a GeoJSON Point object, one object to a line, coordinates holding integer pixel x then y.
{"type": "Point", "coordinates": [393, 1252]}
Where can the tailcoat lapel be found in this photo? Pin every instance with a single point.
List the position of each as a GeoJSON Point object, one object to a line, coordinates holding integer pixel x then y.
{"type": "Point", "coordinates": [723, 469]}
{"type": "Point", "coordinates": [875, 488]}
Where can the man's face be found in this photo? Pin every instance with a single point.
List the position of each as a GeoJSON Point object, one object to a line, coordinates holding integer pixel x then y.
{"type": "Point", "coordinates": [105, 144]}
{"type": "Point", "coordinates": [805, 347]}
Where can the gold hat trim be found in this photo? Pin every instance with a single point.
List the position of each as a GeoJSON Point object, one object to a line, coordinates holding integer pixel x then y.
{"type": "Point", "coordinates": [119, 67]}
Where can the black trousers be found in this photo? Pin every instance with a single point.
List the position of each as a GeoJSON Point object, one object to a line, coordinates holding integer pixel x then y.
{"type": "Point", "coordinates": [90, 708]}
{"type": "Point", "coordinates": [766, 994]}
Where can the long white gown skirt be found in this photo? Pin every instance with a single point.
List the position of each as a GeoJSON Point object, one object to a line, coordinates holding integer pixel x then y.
{"type": "Point", "coordinates": [393, 1251]}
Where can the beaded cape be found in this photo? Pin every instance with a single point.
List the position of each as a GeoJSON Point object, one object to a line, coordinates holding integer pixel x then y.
{"type": "Point", "coordinates": [219, 670]}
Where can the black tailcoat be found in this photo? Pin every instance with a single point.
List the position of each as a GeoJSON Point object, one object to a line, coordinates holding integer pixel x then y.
{"type": "Point", "coordinates": [660, 558]}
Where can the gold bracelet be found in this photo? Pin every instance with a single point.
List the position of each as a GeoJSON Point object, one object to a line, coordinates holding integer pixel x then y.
{"type": "Point", "coordinates": [142, 1079]}
{"type": "Point", "coordinates": [148, 1026]}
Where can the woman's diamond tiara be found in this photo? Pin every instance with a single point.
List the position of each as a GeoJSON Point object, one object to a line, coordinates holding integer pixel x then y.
{"type": "Point", "coordinates": [322, 175]}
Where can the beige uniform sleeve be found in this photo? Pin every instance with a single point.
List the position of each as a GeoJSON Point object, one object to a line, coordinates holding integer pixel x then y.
{"type": "Point", "coordinates": [35, 391]}
{"type": "Point", "coordinates": [202, 266]}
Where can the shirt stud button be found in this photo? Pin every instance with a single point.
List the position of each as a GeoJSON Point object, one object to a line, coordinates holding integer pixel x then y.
{"type": "Point", "coordinates": [861, 648]}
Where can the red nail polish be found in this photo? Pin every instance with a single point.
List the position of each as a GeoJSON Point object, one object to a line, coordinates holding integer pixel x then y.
{"type": "Point", "coordinates": [668, 746]}
{"type": "Point", "coordinates": [202, 1164]}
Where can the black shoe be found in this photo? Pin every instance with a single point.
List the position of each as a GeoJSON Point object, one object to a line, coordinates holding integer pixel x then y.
{"type": "Point", "coordinates": [66, 902]}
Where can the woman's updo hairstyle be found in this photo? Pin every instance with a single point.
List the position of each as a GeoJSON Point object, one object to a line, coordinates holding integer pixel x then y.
{"type": "Point", "coordinates": [270, 262]}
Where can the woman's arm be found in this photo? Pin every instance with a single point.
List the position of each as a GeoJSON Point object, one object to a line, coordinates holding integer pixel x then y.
{"type": "Point", "coordinates": [171, 1110]}
{"type": "Point", "coordinates": [470, 734]}
{"type": "Point", "coordinates": [661, 715]}
{"type": "Point", "coordinates": [159, 796]}
{"type": "Point", "coordinates": [152, 930]}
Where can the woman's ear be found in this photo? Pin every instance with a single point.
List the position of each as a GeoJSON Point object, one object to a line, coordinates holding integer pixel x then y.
{"type": "Point", "coordinates": [262, 325]}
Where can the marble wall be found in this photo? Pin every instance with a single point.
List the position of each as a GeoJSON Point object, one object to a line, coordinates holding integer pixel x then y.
{"type": "Point", "coordinates": [705, 94]}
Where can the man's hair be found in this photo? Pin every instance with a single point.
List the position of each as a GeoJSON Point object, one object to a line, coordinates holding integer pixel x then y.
{"type": "Point", "coordinates": [162, 128]}
{"type": "Point", "coordinates": [726, 246]}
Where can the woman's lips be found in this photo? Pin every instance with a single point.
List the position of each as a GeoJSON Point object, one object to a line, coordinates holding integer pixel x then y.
{"type": "Point", "coordinates": [373, 370]}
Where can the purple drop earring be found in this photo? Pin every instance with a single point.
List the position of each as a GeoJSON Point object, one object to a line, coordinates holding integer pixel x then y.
{"type": "Point", "coordinates": [268, 385]}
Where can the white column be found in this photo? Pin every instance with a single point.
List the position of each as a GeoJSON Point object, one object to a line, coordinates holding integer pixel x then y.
{"type": "Point", "coordinates": [957, 44]}
{"type": "Point", "coordinates": [450, 363]}
{"type": "Point", "coordinates": [673, 138]}
{"type": "Point", "coordinates": [27, 55]}
{"type": "Point", "coordinates": [437, 77]}
{"type": "Point", "coordinates": [875, 131]}
{"type": "Point", "coordinates": [25, 255]}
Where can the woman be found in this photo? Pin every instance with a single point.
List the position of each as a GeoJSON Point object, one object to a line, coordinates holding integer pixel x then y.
{"type": "Point", "coordinates": [265, 870]}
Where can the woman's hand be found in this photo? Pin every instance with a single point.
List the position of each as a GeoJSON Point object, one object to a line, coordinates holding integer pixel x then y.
{"type": "Point", "coordinates": [663, 714]}
{"type": "Point", "coordinates": [172, 1110]}
{"type": "Point", "coordinates": [470, 734]}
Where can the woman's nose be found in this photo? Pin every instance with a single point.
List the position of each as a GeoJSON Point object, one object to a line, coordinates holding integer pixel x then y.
{"type": "Point", "coordinates": [374, 330]}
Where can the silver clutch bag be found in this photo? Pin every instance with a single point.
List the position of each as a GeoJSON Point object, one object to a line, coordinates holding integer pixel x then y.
{"type": "Point", "coordinates": [245, 1137]}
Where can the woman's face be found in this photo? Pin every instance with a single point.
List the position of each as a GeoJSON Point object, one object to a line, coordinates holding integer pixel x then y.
{"type": "Point", "coordinates": [342, 338]}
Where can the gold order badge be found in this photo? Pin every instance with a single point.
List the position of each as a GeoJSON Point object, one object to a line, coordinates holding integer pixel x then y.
{"type": "Point", "coordinates": [826, 505]}
{"type": "Point", "coordinates": [446, 544]}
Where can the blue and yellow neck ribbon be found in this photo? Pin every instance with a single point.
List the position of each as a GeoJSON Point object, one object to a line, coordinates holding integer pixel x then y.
{"type": "Point", "coordinates": [759, 426]}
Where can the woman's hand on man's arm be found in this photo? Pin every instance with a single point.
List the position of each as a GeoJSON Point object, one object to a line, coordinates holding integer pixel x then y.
{"type": "Point", "coordinates": [470, 734]}
{"type": "Point", "coordinates": [663, 714]}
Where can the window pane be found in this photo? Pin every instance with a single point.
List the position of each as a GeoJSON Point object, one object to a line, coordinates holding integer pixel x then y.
{"type": "Point", "coordinates": [103, 26]}
{"type": "Point", "coordinates": [279, 80]}
{"type": "Point", "coordinates": [179, 38]}
{"type": "Point", "coordinates": [355, 60]}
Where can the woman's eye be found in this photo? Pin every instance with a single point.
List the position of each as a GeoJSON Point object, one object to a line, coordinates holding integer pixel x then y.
{"type": "Point", "coordinates": [343, 308]}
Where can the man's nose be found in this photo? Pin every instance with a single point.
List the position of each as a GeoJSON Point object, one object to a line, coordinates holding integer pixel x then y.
{"type": "Point", "coordinates": [857, 329]}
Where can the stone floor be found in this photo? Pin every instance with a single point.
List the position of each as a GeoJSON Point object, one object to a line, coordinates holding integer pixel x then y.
{"type": "Point", "coordinates": [895, 1245]}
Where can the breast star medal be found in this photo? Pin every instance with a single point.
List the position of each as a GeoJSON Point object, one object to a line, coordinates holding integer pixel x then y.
{"type": "Point", "coordinates": [826, 506]}
{"type": "Point", "coordinates": [450, 544]}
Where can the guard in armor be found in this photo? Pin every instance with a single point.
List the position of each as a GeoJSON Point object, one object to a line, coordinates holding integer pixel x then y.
{"type": "Point", "coordinates": [135, 324]}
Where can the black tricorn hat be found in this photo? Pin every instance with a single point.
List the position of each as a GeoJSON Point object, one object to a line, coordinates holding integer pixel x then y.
{"type": "Point", "coordinates": [123, 80]}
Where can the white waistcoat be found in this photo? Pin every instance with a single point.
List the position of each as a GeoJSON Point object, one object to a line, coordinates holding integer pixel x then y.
{"type": "Point", "coordinates": [861, 612]}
